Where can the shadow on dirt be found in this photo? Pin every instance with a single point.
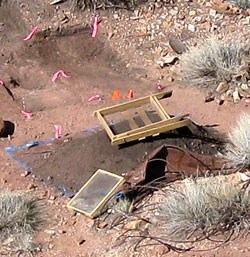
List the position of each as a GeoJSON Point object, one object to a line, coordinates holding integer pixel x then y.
{"type": "Point", "coordinates": [9, 128]}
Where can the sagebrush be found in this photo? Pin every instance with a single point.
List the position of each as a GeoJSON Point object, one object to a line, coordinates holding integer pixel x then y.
{"type": "Point", "coordinates": [203, 208]}
{"type": "Point", "coordinates": [238, 150]}
{"type": "Point", "coordinates": [244, 4]}
{"type": "Point", "coordinates": [103, 4]}
{"type": "Point", "coordinates": [213, 62]}
{"type": "Point", "coordinates": [20, 217]}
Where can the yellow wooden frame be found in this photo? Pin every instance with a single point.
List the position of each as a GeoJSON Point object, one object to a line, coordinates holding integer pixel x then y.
{"type": "Point", "coordinates": [150, 129]}
{"type": "Point", "coordinates": [97, 211]}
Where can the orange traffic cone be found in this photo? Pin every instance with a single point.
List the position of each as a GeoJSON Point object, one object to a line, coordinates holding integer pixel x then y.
{"type": "Point", "coordinates": [116, 95]}
{"type": "Point", "coordinates": [131, 94]}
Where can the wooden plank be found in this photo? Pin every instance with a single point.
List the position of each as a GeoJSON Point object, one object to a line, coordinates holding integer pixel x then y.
{"type": "Point", "coordinates": [163, 114]}
{"type": "Point", "coordinates": [132, 104]}
{"type": "Point", "coordinates": [156, 125]}
{"type": "Point", "coordinates": [129, 117]}
{"type": "Point", "coordinates": [161, 129]}
{"type": "Point", "coordinates": [142, 113]}
{"type": "Point", "coordinates": [105, 125]}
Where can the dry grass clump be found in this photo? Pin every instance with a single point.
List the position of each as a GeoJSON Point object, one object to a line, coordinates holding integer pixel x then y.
{"type": "Point", "coordinates": [20, 217]}
{"type": "Point", "coordinates": [203, 208]}
{"type": "Point", "coordinates": [102, 4]}
{"type": "Point", "coordinates": [238, 150]}
{"type": "Point", "coordinates": [244, 4]}
{"type": "Point", "coordinates": [213, 62]}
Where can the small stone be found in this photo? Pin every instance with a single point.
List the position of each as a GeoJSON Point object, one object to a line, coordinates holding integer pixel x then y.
{"type": "Point", "coordinates": [158, 5]}
{"type": "Point", "coordinates": [170, 79]}
{"type": "Point", "coordinates": [236, 96]}
{"type": "Point", "coordinates": [50, 246]}
{"type": "Point", "coordinates": [246, 21]}
{"type": "Point", "coordinates": [168, 59]}
{"type": "Point", "coordinates": [25, 174]}
{"type": "Point", "coordinates": [116, 16]}
{"type": "Point", "coordinates": [181, 16]}
{"type": "Point", "coordinates": [219, 101]}
{"type": "Point", "coordinates": [198, 18]}
{"type": "Point", "coordinates": [192, 13]}
{"type": "Point", "coordinates": [52, 197]}
{"type": "Point", "coordinates": [49, 178]}
{"type": "Point", "coordinates": [50, 232]}
{"type": "Point", "coordinates": [177, 45]}
{"type": "Point", "coordinates": [212, 12]}
{"type": "Point", "coordinates": [222, 87]}
{"type": "Point", "coordinates": [149, 14]}
{"type": "Point", "coordinates": [102, 225]}
{"type": "Point", "coordinates": [173, 12]}
{"type": "Point", "coordinates": [191, 27]}
{"type": "Point", "coordinates": [244, 86]}
{"type": "Point", "coordinates": [244, 93]}
{"type": "Point", "coordinates": [135, 224]}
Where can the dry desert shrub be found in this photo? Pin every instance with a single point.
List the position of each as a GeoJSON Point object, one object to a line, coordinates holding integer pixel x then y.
{"type": "Point", "coordinates": [102, 4]}
{"type": "Point", "coordinates": [203, 208]}
{"type": "Point", "coordinates": [213, 62]}
{"type": "Point", "coordinates": [20, 217]}
{"type": "Point", "coordinates": [238, 150]}
{"type": "Point", "coordinates": [244, 4]}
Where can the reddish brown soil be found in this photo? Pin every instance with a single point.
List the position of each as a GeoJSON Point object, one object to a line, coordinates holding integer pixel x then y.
{"type": "Point", "coordinates": [94, 69]}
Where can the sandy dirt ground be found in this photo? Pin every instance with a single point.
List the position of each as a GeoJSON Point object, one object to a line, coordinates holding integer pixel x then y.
{"type": "Point", "coordinates": [96, 66]}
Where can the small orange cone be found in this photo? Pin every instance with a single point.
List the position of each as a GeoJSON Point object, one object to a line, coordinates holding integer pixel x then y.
{"type": "Point", "coordinates": [131, 94]}
{"type": "Point", "coordinates": [116, 95]}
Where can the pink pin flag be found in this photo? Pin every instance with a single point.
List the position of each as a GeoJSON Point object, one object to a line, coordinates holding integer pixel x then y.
{"type": "Point", "coordinates": [1, 82]}
{"type": "Point", "coordinates": [95, 26]}
{"type": "Point", "coordinates": [27, 115]}
{"type": "Point", "coordinates": [58, 131]}
{"type": "Point", "coordinates": [31, 34]}
{"type": "Point", "coordinates": [94, 97]}
{"type": "Point", "coordinates": [159, 86]}
{"type": "Point", "coordinates": [59, 73]}
{"type": "Point", "coordinates": [247, 100]}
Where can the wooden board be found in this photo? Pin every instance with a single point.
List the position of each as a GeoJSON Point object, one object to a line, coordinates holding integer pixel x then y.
{"type": "Point", "coordinates": [149, 128]}
{"type": "Point", "coordinates": [93, 196]}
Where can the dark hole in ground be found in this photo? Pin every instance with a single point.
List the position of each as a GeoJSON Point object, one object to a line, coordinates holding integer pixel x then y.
{"type": "Point", "coordinates": [70, 162]}
{"type": "Point", "coordinates": [9, 128]}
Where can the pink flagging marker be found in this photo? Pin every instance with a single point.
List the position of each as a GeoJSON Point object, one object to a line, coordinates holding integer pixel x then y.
{"type": "Point", "coordinates": [58, 131]}
{"type": "Point", "coordinates": [59, 73]}
{"type": "Point", "coordinates": [160, 86]}
{"type": "Point", "coordinates": [95, 27]}
{"type": "Point", "coordinates": [247, 100]}
{"type": "Point", "coordinates": [28, 115]}
{"type": "Point", "coordinates": [31, 34]}
{"type": "Point", "coordinates": [1, 82]}
{"type": "Point", "coordinates": [94, 97]}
